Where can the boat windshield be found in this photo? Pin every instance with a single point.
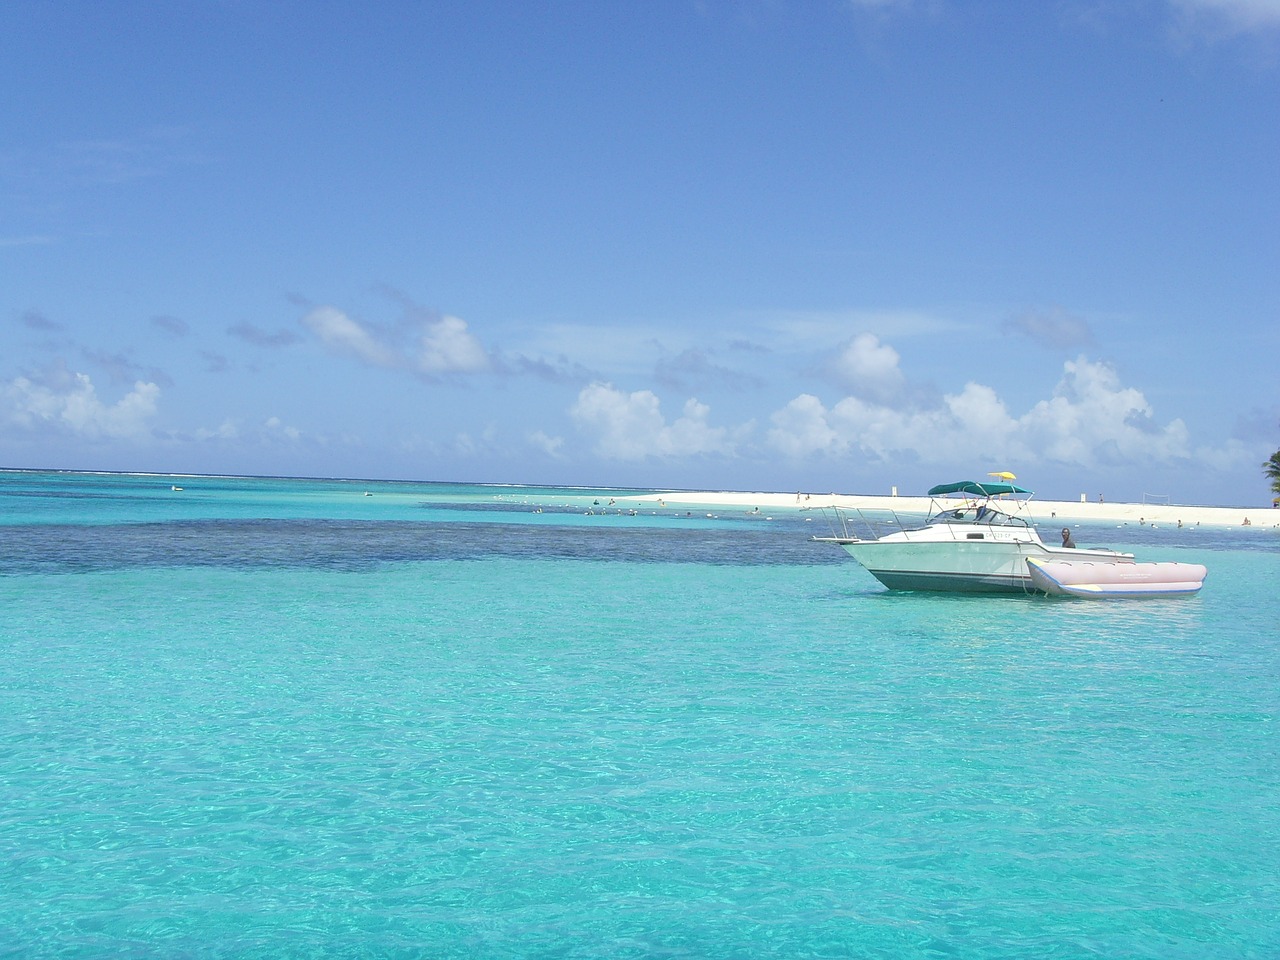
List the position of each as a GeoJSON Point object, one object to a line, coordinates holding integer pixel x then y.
{"type": "Point", "coordinates": [986, 513]}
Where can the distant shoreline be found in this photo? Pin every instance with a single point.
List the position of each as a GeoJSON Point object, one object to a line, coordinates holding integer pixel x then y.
{"type": "Point", "coordinates": [1041, 511]}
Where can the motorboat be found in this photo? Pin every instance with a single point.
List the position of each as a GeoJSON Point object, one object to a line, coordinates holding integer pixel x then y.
{"type": "Point", "coordinates": [977, 538]}
{"type": "Point", "coordinates": [1100, 581]}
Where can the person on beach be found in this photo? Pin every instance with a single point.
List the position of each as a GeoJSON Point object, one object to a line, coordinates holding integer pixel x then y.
{"type": "Point", "coordinates": [1066, 538]}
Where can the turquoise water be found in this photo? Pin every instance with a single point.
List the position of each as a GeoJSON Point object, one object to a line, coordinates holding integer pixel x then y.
{"type": "Point", "coordinates": [270, 718]}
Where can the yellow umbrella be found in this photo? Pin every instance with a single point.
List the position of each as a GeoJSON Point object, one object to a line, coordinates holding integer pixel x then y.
{"type": "Point", "coordinates": [1003, 475]}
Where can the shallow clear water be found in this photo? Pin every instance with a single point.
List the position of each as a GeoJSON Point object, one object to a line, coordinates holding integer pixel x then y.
{"type": "Point", "coordinates": [260, 723]}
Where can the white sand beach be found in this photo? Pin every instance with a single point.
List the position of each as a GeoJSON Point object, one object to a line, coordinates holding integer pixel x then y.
{"type": "Point", "coordinates": [1042, 511]}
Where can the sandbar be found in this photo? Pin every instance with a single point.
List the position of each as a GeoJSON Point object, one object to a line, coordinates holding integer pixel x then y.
{"type": "Point", "coordinates": [1041, 511]}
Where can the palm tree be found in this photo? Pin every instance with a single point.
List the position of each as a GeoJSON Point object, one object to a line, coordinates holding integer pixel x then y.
{"type": "Point", "coordinates": [1272, 469]}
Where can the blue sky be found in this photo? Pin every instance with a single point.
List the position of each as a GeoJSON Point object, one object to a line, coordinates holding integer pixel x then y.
{"type": "Point", "coordinates": [822, 246]}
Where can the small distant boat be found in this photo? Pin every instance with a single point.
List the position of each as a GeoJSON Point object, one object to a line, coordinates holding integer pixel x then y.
{"type": "Point", "coordinates": [176, 489]}
{"type": "Point", "coordinates": [1075, 578]}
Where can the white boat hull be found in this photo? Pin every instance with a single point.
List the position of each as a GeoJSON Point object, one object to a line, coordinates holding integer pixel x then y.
{"type": "Point", "coordinates": [1116, 580]}
{"type": "Point", "coordinates": [987, 566]}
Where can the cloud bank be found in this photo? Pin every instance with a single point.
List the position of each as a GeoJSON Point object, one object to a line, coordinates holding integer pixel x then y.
{"type": "Point", "coordinates": [631, 426]}
{"type": "Point", "coordinates": [1091, 420]}
{"type": "Point", "coordinates": [69, 403]}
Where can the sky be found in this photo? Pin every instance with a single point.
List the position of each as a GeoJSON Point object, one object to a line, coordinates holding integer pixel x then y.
{"type": "Point", "coordinates": [837, 246]}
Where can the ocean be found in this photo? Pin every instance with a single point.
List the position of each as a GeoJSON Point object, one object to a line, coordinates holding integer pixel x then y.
{"type": "Point", "coordinates": [316, 718]}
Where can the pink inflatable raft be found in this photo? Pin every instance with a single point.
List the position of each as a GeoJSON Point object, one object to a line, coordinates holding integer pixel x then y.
{"type": "Point", "coordinates": [1076, 578]}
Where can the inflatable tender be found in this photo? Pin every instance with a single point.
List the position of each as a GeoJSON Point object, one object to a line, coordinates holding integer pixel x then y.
{"type": "Point", "coordinates": [1076, 578]}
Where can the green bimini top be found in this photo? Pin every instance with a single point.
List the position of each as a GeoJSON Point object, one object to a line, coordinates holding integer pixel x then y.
{"type": "Point", "coordinates": [981, 489]}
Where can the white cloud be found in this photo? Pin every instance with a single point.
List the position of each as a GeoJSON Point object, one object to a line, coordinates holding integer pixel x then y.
{"type": "Point", "coordinates": [792, 330]}
{"type": "Point", "coordinates": [70, 402]}
{"type": "Point", "coordinates": [1234, 456]}
{"type": "Point", "coordinates": [968, 424]}
{"type": "Point", "coordinates": [344, 335]}
{"type": "Point", "coordinates": [631, 426]}
{"type": "Point", "coordinates": [551, 446]}
{"type": "Point", "coordinates": [448, 347]}
{"type": "Point", "coordinates": [275, 427]}
{"type": "Point", "coordinates": [803, 428]}
{"type": "Point", "coordinates": [1240, 15]}
{"type": "Point", "coordinates": [227, 430]}
{"type": "Point", "coordinates": [869, 368]}
{"type": "Point", "coordinates": [1091, 419]}
{"type": "Point", "coordinates": [271, 432]}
